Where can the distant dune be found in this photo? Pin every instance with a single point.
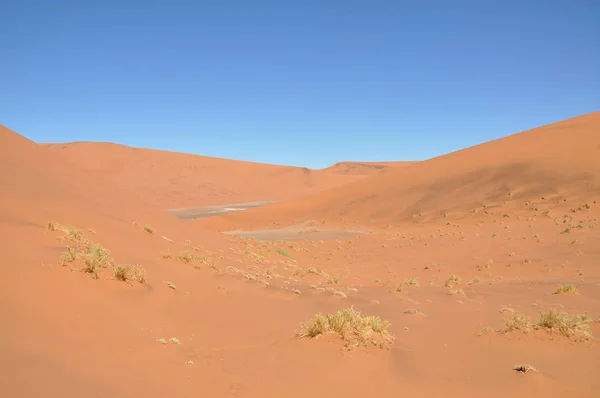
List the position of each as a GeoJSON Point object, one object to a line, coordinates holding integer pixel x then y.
{"type": "Point", "coordinates": [176, 180]}
{"type": "Point", "coordinates": [558, 161]}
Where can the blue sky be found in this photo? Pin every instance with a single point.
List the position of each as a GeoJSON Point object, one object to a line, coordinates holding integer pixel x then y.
{"type": "Point", "coordinates": [296, 82]}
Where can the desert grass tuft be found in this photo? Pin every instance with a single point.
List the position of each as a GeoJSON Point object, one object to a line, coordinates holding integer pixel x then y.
{"type": "Point", "coordinates": [148, 229]}
{"type": "Point", "coordinates": [53, 226]}
{"type": "Point", "coordinates": [95, 258]}
{"type": "Point", "coordinates": [524, 368]}
{"type": "Point", "coordinates": [354, 328]}
{"type": "Point", "coordinates": [167, 254]}
{"type": "Point", "coordinates": [566, 289]}
{"type": "Point", "coordinates": [518, 322]}
{"type": "Point", "coordinates": [575, 327]}
{"type": "Point", "coordinates": [130, 273]}
{"type": "Point", "coordinates": [411, 282]}
{"type": "Point", "coordinates": [316, 271]}
{"type": "Point", "coordinates": [69, 255]}
{"type": "Point", "coordinates": [452, 279]}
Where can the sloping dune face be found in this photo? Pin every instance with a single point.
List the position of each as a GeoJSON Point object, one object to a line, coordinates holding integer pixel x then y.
{"type": "Point", "coordinates": [176, 180]}
{"type": "Point", "coordinates": [557, 162]}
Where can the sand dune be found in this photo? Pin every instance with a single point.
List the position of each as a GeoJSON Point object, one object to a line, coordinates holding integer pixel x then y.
{"type": "Point", "coordinates": [177, 180]}
{"type": "Point", "coordinates": [559, 162]}
{"type": "Point", "coordinates": [217, 315]}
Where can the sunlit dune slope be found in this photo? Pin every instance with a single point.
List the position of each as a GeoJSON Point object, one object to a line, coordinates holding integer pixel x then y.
{"type": "Point", "coordinates": [174, 180]}
{"type": "Point", "coordinates": [557, 161]}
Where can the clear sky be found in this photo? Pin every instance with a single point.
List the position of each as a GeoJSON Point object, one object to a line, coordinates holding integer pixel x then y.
{"type": "Point", "coordinates": [296, 82]}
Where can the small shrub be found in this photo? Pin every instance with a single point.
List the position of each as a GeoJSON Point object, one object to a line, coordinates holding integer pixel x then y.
{"type": "Point", "coordinates": [148, 229]}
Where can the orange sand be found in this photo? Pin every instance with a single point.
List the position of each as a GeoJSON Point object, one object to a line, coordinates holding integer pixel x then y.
{"type": "Point", "coordinates": [513, 218]}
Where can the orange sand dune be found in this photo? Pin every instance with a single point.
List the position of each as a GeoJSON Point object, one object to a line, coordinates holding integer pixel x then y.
{"type": "Point", "coordinates": [234, 305]}
{"type": "Point", "coordinates": [176, 180]}
{"type": "Point", "coordinates": [558, 161]}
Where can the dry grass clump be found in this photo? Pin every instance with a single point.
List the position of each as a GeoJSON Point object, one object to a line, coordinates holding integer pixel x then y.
{"type": "Point", "coordinates": [187, 257]}
{"type": "Point", "coordinates": [411, 282]}
{"type": "Point", "coordinates": [354, 328]}
{"type": "Point", "coordinates": [454, 292]}
{"type": "Point", "coordinates": [130, 273]}
{"type": "Point", "coordinates": [96, 257]}
{"type": "Point", "coordinates": [69, 255]}
{"type": "Point", "coordinates": [524, 368]}
{"type": "Point", "coordinates": [167, 254]}
{"type": "Point", "coordinates": [475, 281]}
{"type": "Point", "coordinates": [316, 271]}
{"type": "Point", "coordinates": [575, 327]}
{"type": "Point", "coordinates": [566, 289]}
{"type": "Point", "coordinates": [148, 229]}
{"type": "Point", "coordinates": [451, 281]}
{"type": "Point", "coordinates": [518, 321]}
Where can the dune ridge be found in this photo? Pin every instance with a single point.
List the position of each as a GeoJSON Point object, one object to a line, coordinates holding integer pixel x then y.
{"type": "Point", "coordinates": [558, 161]}
{"type": "Point", "coordinates": [178, 180]}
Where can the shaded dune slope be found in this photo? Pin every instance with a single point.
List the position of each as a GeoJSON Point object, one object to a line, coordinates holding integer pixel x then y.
{"type": "Point", "coordinates": [176, 180]}
{"type": "Point", "coordinates": [557, 161]}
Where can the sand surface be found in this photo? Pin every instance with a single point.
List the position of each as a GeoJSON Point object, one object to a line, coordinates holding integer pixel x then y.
{"type": "Point", "coordinates": [178, 180]}
{"type": "Point", "coordinates": [512, 219]}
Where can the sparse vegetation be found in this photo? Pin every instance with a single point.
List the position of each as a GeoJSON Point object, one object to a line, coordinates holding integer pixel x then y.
{"type": "Point", "coordinates": [316, 271]}
{"type": "Point", "coordinates": [451, 281]}
{"type": "Point", "coordinates": [95, 258]}
{"type": "Point", "coordinates": [354, 328]}
{"type": "Point", "coordinates": [69, 255]}
{"type": "Point", "coordinates": [185, 256]}
{"type": "Point", "coordinates": [524, 368]}
{"type": "Point", "coordinates": [411, 282]}
{"type": "Point", "coordinates": [566, 289]}
{"type": "Point", "coordinates": [148, 229]}
{"type": "Point", "coordinates": [575, 327]}
{"type": "Point", "coordinates": [518, 322]}
{"type": "Point", "coordinates": [285, 254]}
{"type": "Point", "coordinates": [485, 330]}
{"type": "Point", "coordinates": [130, 273]}
{"type": "Point", "coordinates": [167, 254]}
